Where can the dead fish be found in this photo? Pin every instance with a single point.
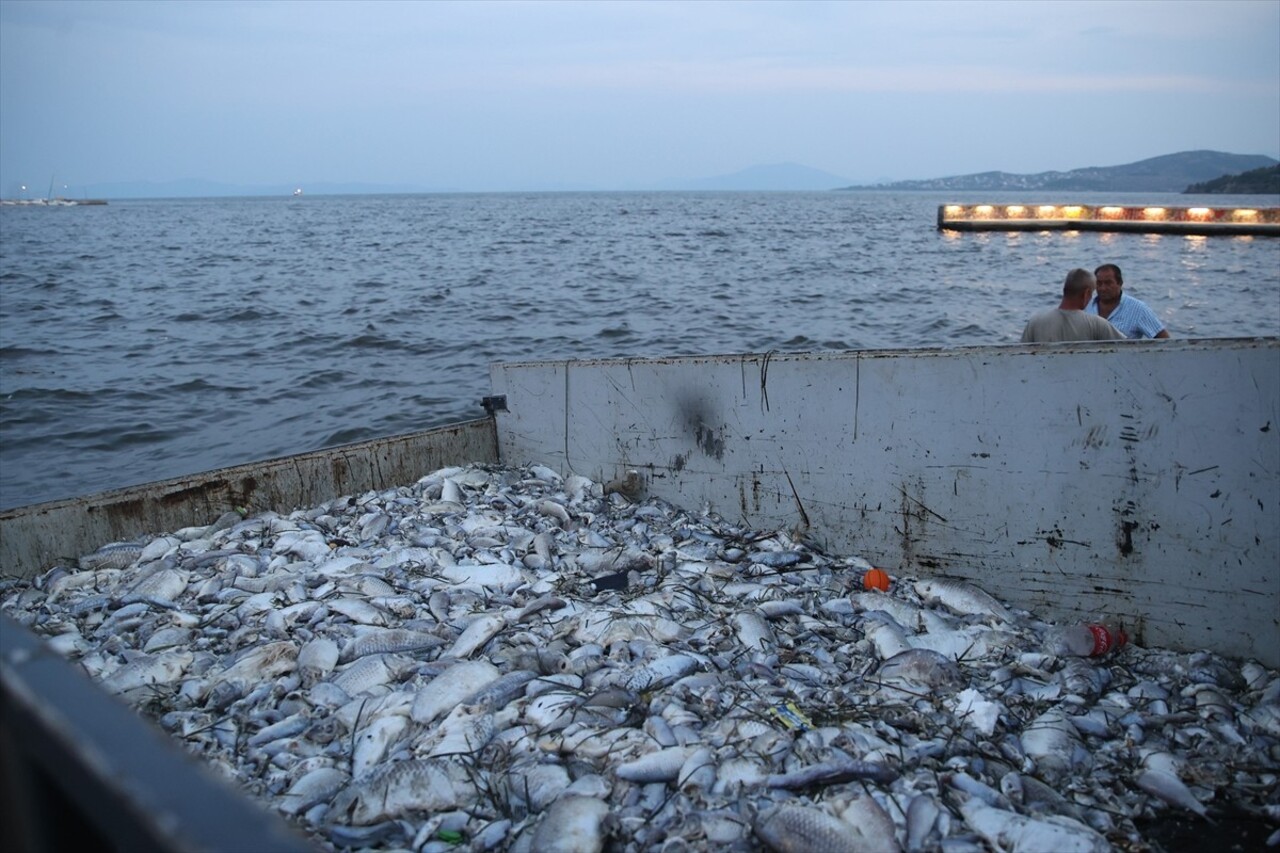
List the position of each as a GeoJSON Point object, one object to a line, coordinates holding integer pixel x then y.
{"type": "Point", "coordinates": [532, 787]}
{"type": "Point", "coordinates": [660, 673]}
{"type": "Point", "coordinates": [1171, 789]}
{"type": "Point", "coordinates": [775, 559]}
{"type": "Point", "coordinates": [451, 492]}
{"type": "Point", "coordinates": [904, 613]}
{"type": "Point", "coordinates": [1005, 830]}
{"type": "Point", "coordinates": [388, 640]}
{"type": "Point", "coordinates": [422, 785]}
{"type": "Point", "coordinates": [467, 730]}
{"type": "Point", "coordinates": [372, 671]}
{"type": "Point", "coordinates": [872, 824]}
{"type": "Point", "coordinates": [261, 663]}
{"type": "Point", "coordinates": [662, 765]}
{"type": "Point", "coordinates": [1160, 777]}
{"type": "Point", "coordinates": [286, 728]}
{"type": "Point", "coordinates": [358, 610]}
{"type": "Point", "coordinates": [698, 771]}
{"type": "Point", "coordinates": [573, 824]}
{"type": "Point", "coordinates": [552, 509]}
{"type": "Point", "coordinates": [317, 786]}
{"type": "Point", "coordinates": [497, 693]}
{"type": "Point", "coordinates": [148, 670]}
{"type": "Point", "coordinates": [754, 632]}
{"type": "Point", "coordinates": [833, 773]}
{"type": "Point", "coordinates": [69, 582]}
{"type": "Point", "coordinates": [884, 632]}
{"type": "Point", "coordinates": [372, 741]}
{"type": "Point", "coordinates": [805, 829]}
{"type": "Point", "coordinates": [962, 597]}
{"type": "Point", "coordinates": [1052, 742]}
{"type": "Point", "coordinates": [117, 555]}
{"type": "Point", "coordinates": [921, 668]}
{"type": "Point", "coordinates": [479, 632]}
{"type": "Point", "coordinates": [449, 689]}
{"type": "Point", "coordinates": [168, 638]}
{"type": "Point", "coordinates": [922, 816]}
{"type": "Point", "coordinates": [316, 659]}
{"type": "Point", "coordinates": [551, 711]}
{"type": "Point", "coordinates": [163, 585]}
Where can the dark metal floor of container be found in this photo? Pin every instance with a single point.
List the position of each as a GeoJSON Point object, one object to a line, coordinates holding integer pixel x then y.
{"type": "Point", "coordinates": [1228, 831]}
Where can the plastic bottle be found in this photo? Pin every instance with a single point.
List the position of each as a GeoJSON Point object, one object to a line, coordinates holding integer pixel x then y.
{"type": "Point", "coordinates": [1085, 640]}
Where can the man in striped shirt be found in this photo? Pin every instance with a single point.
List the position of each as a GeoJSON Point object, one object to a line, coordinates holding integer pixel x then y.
{"type": "Point", "coordinates": [1131, 316]}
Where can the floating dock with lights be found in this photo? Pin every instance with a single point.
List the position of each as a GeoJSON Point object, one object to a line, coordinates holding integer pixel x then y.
{"type": "Point", "coordinates": [1145, 219]}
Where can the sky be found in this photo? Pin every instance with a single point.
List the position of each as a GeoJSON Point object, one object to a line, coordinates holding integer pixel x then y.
{"type": "Point", "coordinates": [493, 96]}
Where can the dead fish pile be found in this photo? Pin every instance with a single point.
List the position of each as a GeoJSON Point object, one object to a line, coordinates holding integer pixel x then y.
{"type": "Point", "coordinates": [504, 658]}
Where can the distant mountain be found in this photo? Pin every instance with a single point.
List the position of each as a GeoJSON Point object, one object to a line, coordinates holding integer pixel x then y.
{"type": "Point", "coordinates": [1264, 180]}
{"type": "Point", "coordinates": [1171, 173]}
{"type": "Point", "coordinates": [775, 176]}
{"type": "Point", "coordinates": [778, 176]}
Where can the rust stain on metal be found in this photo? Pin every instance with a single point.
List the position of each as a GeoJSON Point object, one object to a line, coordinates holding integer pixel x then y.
{"type": "Point", "coordinates": [201, 491]}
{"type": "Point", "coordinates": [1125, 540]}
{"type": "Point", "coordinates": [711, 443]}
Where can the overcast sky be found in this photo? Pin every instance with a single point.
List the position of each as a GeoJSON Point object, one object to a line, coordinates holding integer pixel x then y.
{"type": "Point", "coordinates": [613, 95]}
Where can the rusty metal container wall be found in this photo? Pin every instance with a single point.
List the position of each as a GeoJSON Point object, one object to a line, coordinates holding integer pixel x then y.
{"type": "Point", "coordinates": [33, 538]}
{"type": "Point", "coordinates": [1139, 480]}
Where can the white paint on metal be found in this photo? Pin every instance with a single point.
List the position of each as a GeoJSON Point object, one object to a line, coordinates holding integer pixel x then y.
{"type": "Point", "coordinates": [1137, 480]}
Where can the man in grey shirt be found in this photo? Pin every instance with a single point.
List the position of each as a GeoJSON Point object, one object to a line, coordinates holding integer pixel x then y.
{"type": "Point", "coordinates": [1069, 322]}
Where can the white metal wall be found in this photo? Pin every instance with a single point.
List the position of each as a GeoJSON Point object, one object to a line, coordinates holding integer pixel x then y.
{"type": "Point", "coordinates": [1140, 480]}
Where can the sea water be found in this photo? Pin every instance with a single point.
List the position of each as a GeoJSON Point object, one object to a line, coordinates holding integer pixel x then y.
{"type": "Point", "coordinates": [149, 339]}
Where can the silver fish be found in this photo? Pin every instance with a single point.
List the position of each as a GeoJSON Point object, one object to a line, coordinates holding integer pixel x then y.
{"type": "Point", "coordinates": [316, 659]}
{"type": "Point", "coordinates": [388, 640]}
{"type": "Point", "coordinates": [1006, 830]}
{"type": "Point", "coordinates": [962, 597]}
{"type": "Point", "coordinates": [317, 786]}
{"type": "Point", "coordinates": [1053, 743]}
{"type": "Point", "coordinates": [451, 688]}
{"type": "Point", "coordinates": [478, 633]}
{"type": "Point", "coordinates": [660, 673]}
{"type": "Point", "coordinates": [372, 741]}
{"type": "Point", "coordinates": [872, 824]}
{"type": "Point", "coordinates": [117, 555]}
{"type": "Point", "coordinates": [662, 765]}
{"type": "Point", "coordinates": [148, 670]}
{"type": "Point", "coordinates": [831, 773]}
{"type": "Point", "coordinates": [501, 690]}
{"type": "Point", "coordinates": [394, 789]}
{"type": "Point", "coordinates": [372, 671]}
{"type": "Point", "coordinates": [573, 824]}
{"type": "Point", "coordinates": [359, 610]}
{"type": "Point", "coordinates": [805, 829]}
{"type": "Point", "coordinates": [921, 669]}
{"type": "Point", "coordinates": [753, 632]}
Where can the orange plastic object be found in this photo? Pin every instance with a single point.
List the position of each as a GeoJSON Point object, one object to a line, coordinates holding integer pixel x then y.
{"type": "Point", "coordinates": [876, 579]}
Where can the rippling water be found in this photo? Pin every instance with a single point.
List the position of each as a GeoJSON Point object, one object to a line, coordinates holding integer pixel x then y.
{"type": "Point", "coordinates": [149, 339]}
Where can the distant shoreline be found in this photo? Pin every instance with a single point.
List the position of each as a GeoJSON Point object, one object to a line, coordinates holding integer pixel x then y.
{"type": "Point", "coordinates": [51, 202]}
